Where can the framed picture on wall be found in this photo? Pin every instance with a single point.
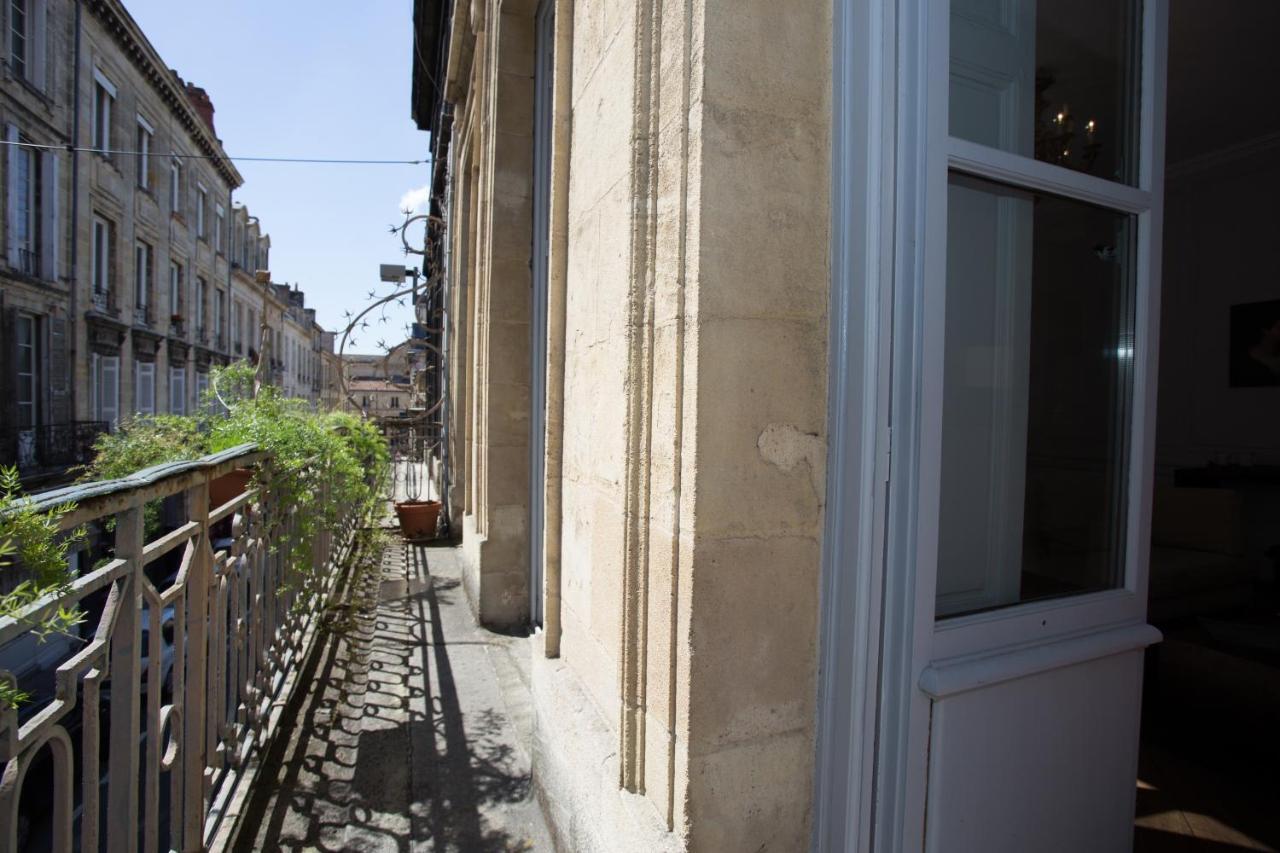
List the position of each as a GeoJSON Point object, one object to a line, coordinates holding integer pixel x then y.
{"type": "Point", "coordinates": [1255, 344]}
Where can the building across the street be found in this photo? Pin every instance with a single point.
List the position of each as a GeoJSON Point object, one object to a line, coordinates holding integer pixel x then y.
{"type": "Point", "coordinates": [130, 269]}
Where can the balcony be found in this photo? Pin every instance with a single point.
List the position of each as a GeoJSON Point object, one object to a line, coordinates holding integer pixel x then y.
{"type": "Point", "coordinates": [202, 335]}
{"type": "Point", "coordinates": [142, 316]}
{"type": "Point", "coordinates": [44, 452]}
{"type": "Point", "coordinates": [246, 703]}
{"type": "Point", "coordinates": [104, 303]}
{"type": "Point", "coordinates": [28, 262]}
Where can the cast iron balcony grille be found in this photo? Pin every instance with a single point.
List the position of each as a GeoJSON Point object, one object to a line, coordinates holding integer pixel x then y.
{"type": "Point", "coordinates": [49, 447]}
{"type": "Point", "coordinates": [102, 301]}
{"type": "Point", "coordinates": [202, 335]}
{"type": "Point", "coordinates": [142, 315]}
{"type": "Point", "coordinates": [28, 262]}
{"type": "Point", "coordinates": [190, 645]}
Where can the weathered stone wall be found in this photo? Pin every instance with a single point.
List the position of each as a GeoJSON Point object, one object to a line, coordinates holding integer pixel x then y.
{"type": "Point", "coordinates": [695, 408]}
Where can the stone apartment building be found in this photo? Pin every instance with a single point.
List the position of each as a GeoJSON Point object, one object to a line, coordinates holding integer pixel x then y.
{"type": "Point", "coordinates": [830, 535]}
{"type": "Point", "coordinates": [130, 270]}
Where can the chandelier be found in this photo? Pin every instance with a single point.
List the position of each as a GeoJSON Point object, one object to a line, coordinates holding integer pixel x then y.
{"type": "Point", "coordinates": [1057, 139]}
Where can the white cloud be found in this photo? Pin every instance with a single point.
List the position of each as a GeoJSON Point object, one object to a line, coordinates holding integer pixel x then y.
{"type": "Point", "coordinates": [416, 200]}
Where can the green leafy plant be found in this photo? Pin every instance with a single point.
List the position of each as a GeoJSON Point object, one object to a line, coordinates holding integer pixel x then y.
{"type": "Point", "coordinates": [321, 466]}
{"type": "Point", "coordinates": [33, 546]}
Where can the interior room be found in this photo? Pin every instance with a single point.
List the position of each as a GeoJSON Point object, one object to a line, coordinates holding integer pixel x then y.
{"type": "Point", "coordinates": [1210, 739]}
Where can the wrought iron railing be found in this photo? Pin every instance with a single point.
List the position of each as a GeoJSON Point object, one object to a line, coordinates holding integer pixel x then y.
{"type": "Point", "coordinates": [49, 446]}
{"type": "Point", "coordinates": [28, 262]}
{"type": "Point", "coordinates": [143, 726]}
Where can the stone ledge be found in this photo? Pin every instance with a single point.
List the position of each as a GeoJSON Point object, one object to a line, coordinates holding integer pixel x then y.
{"type": "Point", "coordinates": [577, 789]}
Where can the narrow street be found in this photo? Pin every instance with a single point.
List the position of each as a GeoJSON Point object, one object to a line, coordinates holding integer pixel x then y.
{"type": "Point", "coordinates": [412, 731]}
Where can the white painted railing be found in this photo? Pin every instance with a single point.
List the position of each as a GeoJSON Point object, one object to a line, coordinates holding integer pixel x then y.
{"type": "Point", "coordinates": [211, 611]}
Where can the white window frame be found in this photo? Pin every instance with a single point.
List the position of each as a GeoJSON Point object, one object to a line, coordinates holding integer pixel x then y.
{"type": "Point", "coordinates": [35, 37]}
{"type": "Point", "coordinates": [175, 288]}
{"type": "Point", "coordinates": [101, 256]}
{"type": "Point", "coordinates": [175, 186]}
{"type": "Point", "coordinates": [219, 225]}
{"type": "Point", "coordinates": [104, 388]}
{"type": "Point", "coordinates": [101, 117]}
{"type": "Point", "coordinates": [891, 156]}
{"type": "Point", "coordinates": [219, 306]}
{"type": "Point", "coordinates": [142, 261]}
{"type": "Point", "coordinates": [202, 293]}
{"type": "Point", "coordinates": [144, 387]}
{"type": "Point", "coordinates": [145, 134]}
{"type": "Point", "coordinates": [178, 390]}
{"type": "Point", "coordinates": [32, 378]}
{"type": "Point", "coordinates": [202, 201]}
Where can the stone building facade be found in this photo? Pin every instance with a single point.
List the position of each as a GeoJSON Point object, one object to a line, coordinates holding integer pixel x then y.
{"type": "Point", "coordinates": [802, 400]}
{"type": "Point", "coordinates": [657, 179]}
{"type": "Point", "coordinates": [130, 270]}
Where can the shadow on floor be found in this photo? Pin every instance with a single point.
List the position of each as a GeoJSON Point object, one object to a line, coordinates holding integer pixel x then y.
{"type": "Point", "coordinates": [402, 741]}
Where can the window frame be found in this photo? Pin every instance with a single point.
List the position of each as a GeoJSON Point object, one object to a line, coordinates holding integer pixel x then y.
{"type": "Point", "coordinates": [145, 135]}
{"type": "Point", "coordinates": [33, 344]}
{"type": "Point", "coordinates": [144, 371]}
{"type": "Point", "coordinates": [104, 96]}
{"type": "Point", "coordinates": [102, 252]}
{"type": "Point", "coordinates": [175, 288]}
{"type": "Point", "coordinates": [202, 201]}
{"type": "Point", "coordinates": [219, 225]}
{"type": "Point", "coordinates": [1030, 621]}
{"type": "Point", "coordinates": [143, 273]}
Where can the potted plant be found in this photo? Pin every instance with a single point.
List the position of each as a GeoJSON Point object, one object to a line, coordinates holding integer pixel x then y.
{"type": "Point", "coordinates": [418, 517]}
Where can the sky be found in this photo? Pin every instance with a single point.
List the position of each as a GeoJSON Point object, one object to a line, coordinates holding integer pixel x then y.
{"type": "Point", "coordinates": [290, 78]}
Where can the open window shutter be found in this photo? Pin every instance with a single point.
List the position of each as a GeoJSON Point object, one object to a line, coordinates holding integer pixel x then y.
{"type": "Point", "coordinates": [39, 37]}
{"type": "Point", "coordinates": [59, 403]}
{"type": "Point", "coordinates": [11, 222]}
{"type": "Point", "coordinates": [8, 356]}
{"type": "Point", "coordinates": [145, 388]}
{"type": "Point", "coordinates": [50, 236]}
{"type": "Point", "coordinates": [109, 394]}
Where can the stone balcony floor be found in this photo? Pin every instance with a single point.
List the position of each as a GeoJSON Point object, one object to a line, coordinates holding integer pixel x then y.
{"type": "Point", "coordinates": [410, 729]}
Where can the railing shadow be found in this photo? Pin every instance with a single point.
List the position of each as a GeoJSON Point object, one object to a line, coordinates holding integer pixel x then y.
{"type": "Point", "coordinates": [389, 759]}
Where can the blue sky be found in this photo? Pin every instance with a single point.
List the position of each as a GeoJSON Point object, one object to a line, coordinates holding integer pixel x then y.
{"type": "Point", "coordinates": [309, 79]}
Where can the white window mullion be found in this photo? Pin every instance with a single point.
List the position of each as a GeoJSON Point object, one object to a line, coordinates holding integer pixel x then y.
{"type": "Point", "coordinates": [1007, 168]}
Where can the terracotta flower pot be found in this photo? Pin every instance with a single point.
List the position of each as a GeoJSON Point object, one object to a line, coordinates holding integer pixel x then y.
{"type": "Point", "coordinates": [418, 518]}
{"type": "Point", "coordinates": [229, 487]}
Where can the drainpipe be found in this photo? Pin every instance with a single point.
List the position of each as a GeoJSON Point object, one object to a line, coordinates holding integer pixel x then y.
{"type": "Point", "coordinates": [74, 318]}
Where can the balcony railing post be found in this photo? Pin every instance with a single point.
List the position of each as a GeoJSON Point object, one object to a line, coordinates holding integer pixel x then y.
{"type": "Point", "coordinates": [126, 672]}
{"type": "Point", "coordinates": [194, 705]}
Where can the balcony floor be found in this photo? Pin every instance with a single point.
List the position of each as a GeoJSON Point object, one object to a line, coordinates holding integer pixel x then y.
{"type": "Point", "coordinates": [413, 732]}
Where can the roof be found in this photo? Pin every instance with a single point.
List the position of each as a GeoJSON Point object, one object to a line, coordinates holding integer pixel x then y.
{"type": "Point", "coordinates": [135, 46]}
{"type": "Point", "coordinates": [376, 385]}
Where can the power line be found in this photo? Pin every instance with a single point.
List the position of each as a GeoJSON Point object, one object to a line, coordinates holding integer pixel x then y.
{"type": "Point", "coordinates": [179, 156]}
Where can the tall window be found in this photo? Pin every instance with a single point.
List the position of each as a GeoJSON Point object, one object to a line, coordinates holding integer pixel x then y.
{"type": "Point", "coordinates": [26, 40]}
{"type": "Point", "coordinates": [219, 307]}
{"type": "Point", "coordinates": [219, 226]}
{"type": "Point", "coordinates": [202, 201]}
{"type": "Point", "coordinates": [144, 393]}
{"type": "Point", "coordinates": [175, 288]}
{"type": "Point", "coordinates": [237, 325]}
{"type": "Point", "coordinates": [102, 260]}
{"type": "Point", "coordinates": [104, 387]}
{"type": "Point", "coordinates": [104, 95]}
{"type": "Point", "coordinates": [19, 37]}
{"type": "Point", "coordinates": [175, 186]}
{"type": "Point", "coordinates": [1036, 356]}
{"type": "Point", "coordinates": [178, 390]}
{"type": "Point", "coordinates": [142, 282]}
{"type": "Point", "coordinates": [25, 204]}
{"type": "Point", "coordinates": [28, 370]}
{"type": "Point", "coordinates": [144, 136]}
{"type": "Point", "coordinates": [202, 388]}
{"type": "Point", "coordinates": [201, 295]}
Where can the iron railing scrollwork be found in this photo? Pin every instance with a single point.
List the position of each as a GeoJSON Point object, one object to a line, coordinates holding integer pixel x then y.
{"type": "Point", "coordinates": [49, 446]}
{"type": "Point", "coordinates": [190, 643]}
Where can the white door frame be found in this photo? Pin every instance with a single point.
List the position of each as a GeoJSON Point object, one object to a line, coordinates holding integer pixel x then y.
{"type": "Point", "coordinates": [891, 153]}
{"type": "Point", "coordinates": [544, 54]}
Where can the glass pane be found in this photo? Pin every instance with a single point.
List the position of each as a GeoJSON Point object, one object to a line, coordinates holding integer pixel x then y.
{"type": "Point", "coordinates": [1039, 346]}
{"type": "Point", "coordinates": [1053, 79]}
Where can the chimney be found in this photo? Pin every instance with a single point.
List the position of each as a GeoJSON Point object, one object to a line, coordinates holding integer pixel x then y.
{"type": "Point", "coordinates": [199, 99]}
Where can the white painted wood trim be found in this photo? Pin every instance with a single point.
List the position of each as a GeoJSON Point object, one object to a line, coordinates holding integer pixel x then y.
{"type": "Point", "coordinates": [1023, 172]}
{"type": "Point", "coordinates": [945, 678]}
{"type": "Point", "coordinates": [105, 82]}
